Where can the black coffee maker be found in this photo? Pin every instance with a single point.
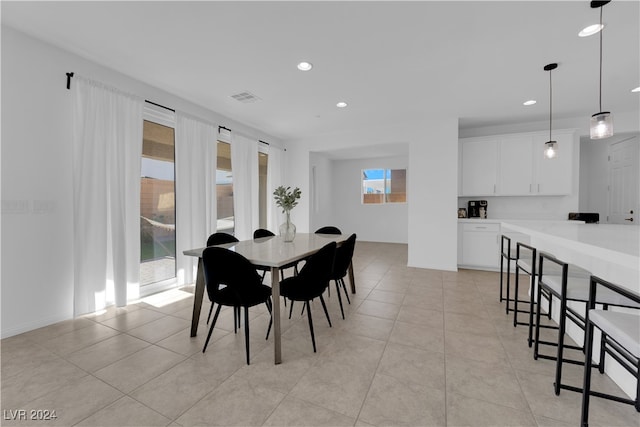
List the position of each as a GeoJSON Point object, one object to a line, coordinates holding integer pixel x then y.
{"type": "Point", "coordinates": [477, 209]}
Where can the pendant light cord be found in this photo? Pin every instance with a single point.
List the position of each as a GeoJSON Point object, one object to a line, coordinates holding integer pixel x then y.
{"type": "Point", "coordinates": [550, 104]}
{"type": "Point", "coordinates": [600, 88]}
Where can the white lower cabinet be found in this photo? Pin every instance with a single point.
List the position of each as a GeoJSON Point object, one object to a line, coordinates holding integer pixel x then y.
{"type": "Point", "coordinates": [478, 245]}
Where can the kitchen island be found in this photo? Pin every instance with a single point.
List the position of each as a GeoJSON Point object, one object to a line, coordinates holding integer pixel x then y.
{"type": "Point", "coordinates": [609, 251]}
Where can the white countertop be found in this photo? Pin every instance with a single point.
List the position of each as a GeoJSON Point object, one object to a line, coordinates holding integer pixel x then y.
{"type": "Point", "coordinates": [620, 243]}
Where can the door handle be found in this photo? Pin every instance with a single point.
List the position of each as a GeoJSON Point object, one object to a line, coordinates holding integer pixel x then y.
{"type": "Point", "coordinates": [629, 219]}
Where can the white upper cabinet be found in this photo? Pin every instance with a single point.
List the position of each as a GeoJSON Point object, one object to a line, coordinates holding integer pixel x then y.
{"type": "Point", "coordinates": [479, 165]}
{"type": "Point", "coordinates": [514, 165]}
{"type": "Point", "coordinates": [554, 176]}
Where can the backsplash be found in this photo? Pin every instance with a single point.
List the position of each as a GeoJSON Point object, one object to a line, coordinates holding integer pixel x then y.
{"type": "Point", "coordinates": [533, 207]}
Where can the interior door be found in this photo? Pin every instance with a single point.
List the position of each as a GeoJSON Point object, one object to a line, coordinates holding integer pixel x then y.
{"type": "Point", "coordinates": [624, 181]}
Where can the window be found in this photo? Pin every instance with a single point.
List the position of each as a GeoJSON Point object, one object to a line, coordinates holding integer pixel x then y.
{"type": "Point", "coordinates": [224, 189]}
{"type": "Point", "coordinates": [263, 197]}
{"type": "Point", "coordinates": [384, 186]}
{"type": "Point", "coordinates": [157, 204]}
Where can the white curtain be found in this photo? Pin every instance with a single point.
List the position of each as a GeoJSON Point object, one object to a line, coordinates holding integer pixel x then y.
{"type": "Point", "coordinates": [244, 166]}
{"type": "Point", "coordinates": [275, 178]}
{"type": "Point", "coordinates": [196, 153]}
{"type": "Point", "coordinates": [107, 147]}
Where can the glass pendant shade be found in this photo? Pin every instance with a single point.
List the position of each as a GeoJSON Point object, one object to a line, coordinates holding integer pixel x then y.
{"type": "Point", "coordinates": [550, 149]}
{"type": "Point", "coordinates": [601, 125]}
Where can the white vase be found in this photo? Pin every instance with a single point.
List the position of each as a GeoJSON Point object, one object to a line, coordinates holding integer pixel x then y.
{"type": "Point", "coordinates": [288, 229]}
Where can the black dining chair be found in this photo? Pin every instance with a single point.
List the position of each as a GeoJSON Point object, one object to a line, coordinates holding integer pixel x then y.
{"type": "Point", "coordinates": [311, 282]}
{"type": "Point", "coordinates": [232, 280]}
{"type": "Point", "coordinates": [260, 233]}
{"type": "Point", "coordinates": [221, 238]}
{"type": "Point", "coordinates": [344, 255]}
{"type": "Point", "coordinates": [328, 229]}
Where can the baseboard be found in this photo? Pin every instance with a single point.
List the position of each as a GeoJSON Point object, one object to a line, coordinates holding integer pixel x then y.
{"type": "Point", "coordinates": [30, 326]}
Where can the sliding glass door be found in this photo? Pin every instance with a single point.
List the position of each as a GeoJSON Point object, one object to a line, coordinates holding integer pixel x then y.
{"type": "Point", "coordinates": [157, 205]}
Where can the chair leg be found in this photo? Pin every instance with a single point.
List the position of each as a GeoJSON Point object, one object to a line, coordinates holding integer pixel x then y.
{"type": "Point", "coordinates": [344, 286]}
{"type": "Point", "coordinates": [270, 308]}
{"type": "Point", "coordinates": [215, 318]}
{"type": "Point", "coordinates": [560, 355]}
{"type": "Point", "coordinates": [210, 311]}
{"type": "Point", "coordinates": [586, 386]}
{"type": "Point", "coordinates": [501, 275]}
{"type": "Point", "coordinates": [537, 339]}
{"type": "Point", "coordinates": [246, 331]}
{"type": "Point", "coordinates": [515, 302]}
{"type": "Point", "coordinates": [506, 308]}
{"type": "Point", "coordinates": [291, 309]}
{"type": "Point", "coordinates": [339, 298]}
{"type": "Point", "coordinates": [532, 305]}
{"type": "Point", "coordinates": [313, 337]}
{"type": "Point", "coordinates": [324, 306]}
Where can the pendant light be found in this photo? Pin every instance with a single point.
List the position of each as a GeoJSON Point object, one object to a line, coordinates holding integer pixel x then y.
{"type": "Point", "coordinates": [602, 122]}
{"type": "Point", "coordinates": [551, 146]}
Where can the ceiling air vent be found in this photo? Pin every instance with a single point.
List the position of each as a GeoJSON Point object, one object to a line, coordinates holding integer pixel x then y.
{"type": "Point", "coordinates": [245, 97]}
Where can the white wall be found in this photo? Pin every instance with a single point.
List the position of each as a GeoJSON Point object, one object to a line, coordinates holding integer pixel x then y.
{"type": "Point", "coordinates": [374, 223]}
{"type": "Point", "coordinates": [432, 181]}
{"type": "Point", "coordinates": [37, 264]}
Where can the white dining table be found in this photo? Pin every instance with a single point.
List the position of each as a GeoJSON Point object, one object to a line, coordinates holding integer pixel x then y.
{"type": "Point", "coordinates": [271, 252]}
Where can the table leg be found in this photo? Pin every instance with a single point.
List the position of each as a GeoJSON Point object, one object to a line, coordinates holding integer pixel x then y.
{"type": "Point", "coordinates": [197, 300]}
{"type": "Point", "coordinates": [275, 292]}
{"type": "Point", "coordinates": [352, 280]}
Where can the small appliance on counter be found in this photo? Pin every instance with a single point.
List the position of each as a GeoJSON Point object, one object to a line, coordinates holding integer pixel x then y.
{"type": "Point", "coordinates": [477, 209]}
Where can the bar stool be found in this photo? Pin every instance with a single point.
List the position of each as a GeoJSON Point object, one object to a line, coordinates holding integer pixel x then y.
{"type": "Point", "coordinates": [505, 254]}
{"type": "Point", "coordinates": [569, 287]}
{"type": "Point", "coordinates": [620, 338]}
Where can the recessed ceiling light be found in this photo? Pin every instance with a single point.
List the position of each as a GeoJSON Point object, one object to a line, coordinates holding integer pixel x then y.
{"type": "Point", "coordinates": [305, 66]}
{"type": "Point", "coordinates": [341, 104]}
{"type": "Point", "coordinates": [529, 102]}
{"type": "Point", "coordinates": [590, 30]}
{"type": "Point", "coordinates": [636, 89]}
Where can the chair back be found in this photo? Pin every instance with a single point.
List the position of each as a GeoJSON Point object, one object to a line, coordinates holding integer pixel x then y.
{"type": "Point", "coordinates": [261, 232]}
{"type": "Point", "coordinates": [317, 270]}
{"type": "Point", "coordinates": [220, 238]}
{"type": "Point", "coordinates": [328, 229]}
{"type": "Point", "coordinates": [228, 270]}
{"type": "Point", "coordinates": [344, 254]}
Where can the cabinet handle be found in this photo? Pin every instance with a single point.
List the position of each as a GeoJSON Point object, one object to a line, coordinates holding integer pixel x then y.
{"type": "Point", "coordinates": [538, 188]}
{"type": "Point", "coordinates": [530, 188]}
{"type": "Point", "coordinates": [481, 228]}
{"type": "Point", "coordinates": [494, 188]}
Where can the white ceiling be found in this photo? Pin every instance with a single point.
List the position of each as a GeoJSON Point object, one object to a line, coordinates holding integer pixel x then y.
{"type": "Point", "coordinates": [393, 62]}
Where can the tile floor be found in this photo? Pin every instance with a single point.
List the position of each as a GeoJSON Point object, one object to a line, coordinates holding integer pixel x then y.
{"type": "Point", "coordinates": [418, 348]}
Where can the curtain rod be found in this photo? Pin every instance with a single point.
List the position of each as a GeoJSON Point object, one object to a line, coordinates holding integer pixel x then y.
{"type": "Point", "coordinates": [158, 105]}
{"type": "Point", "coordinates": [69, 75]}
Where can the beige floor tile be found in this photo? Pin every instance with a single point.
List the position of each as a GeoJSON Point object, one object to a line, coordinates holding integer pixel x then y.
{"type": "Point", "coordinates": [125, 412]}
{"type": "Point", "coordinates": [73, 402]}
{"type": "Point", "coordinates": [368, 326]}
{"type": "Point", "coordinates": [413, 365]}
{"type": "Point", "coordinates": [466, 411]}
{"type": "Point", "coordinates": [18, 357]}
{"type": "Point", "coordinates": [379, 309]}
{"type": "Point", "coordinates": [177, 389]}
{"type": "Point", "coordinates": [159, 329]}
{"type": "Point", "coordinates": [131, 372]}
{"type": "Point", "coordinates": [133, 319]}
{"type": "Point", "coordinates": [386, 296]}
{"type": "Point", "coordinates": [75, 340]}
{"type": "Point", "coordinates": [491, 382]}
{"type": "Point", "coordinates": [43, 377]}
{"type": "Point", "coordinates": [296, 412]}
{"type": "Point", "coordinates": [355, 350]}
{"type": "Point", "coordinates": [391, 402]}
{"type": "Point", "coordinates": [475, 347]}
{"type": "Point", "coordinates": [423, 337]}
{"type": "Point", "coordinates": [106, 352]}
{"type": "Point", "coordinates": [339, 387]}
{"type": "Point", "coordinates": [183, 343]}
{"type": "Point", "coordinates": [468, 323]}
{"type": "Point", "coordinates": [234, 403]}
{"type": "Point", "coordinates": [57, 329]}
{"type": "Point", "coordinates": [421, 316]}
